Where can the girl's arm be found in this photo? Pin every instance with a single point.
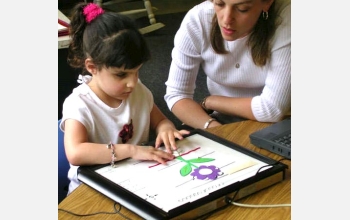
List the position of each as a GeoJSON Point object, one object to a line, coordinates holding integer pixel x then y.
{"type": "Point", "coordinates": [81, 152]}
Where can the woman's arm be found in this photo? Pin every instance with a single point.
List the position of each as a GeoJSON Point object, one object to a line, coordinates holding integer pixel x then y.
{"type": "Point", "coordinates": [192, 114]}
{"type": "Point", "coordinates": [231, 106]}
{"type": "Point", "coordinates": [186, 59]}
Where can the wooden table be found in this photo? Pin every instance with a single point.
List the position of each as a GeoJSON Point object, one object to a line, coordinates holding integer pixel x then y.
{"type": "Point", "coordinates": [85, 200]}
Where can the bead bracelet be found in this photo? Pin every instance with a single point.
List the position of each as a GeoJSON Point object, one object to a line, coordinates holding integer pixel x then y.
{"type": "Point", "coordinates": [111, 146]}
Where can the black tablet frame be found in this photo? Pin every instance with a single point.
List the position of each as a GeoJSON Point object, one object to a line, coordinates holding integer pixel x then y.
{"type": "Point", "coordinates": [147, 210]}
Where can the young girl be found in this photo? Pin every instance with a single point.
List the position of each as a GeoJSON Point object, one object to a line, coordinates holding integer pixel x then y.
{"type": "Point", "coordinates": [108, 117]}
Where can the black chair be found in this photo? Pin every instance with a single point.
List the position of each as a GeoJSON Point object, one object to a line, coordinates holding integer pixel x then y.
{"type": "Point", "coordinates": [63, 167]}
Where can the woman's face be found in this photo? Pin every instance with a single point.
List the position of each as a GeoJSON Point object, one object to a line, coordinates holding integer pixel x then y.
{"type": "Point", "coordinates": [237, 18]}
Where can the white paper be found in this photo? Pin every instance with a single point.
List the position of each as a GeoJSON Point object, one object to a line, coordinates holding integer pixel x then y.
{"type": "Point", "coordinates": [165, 187]}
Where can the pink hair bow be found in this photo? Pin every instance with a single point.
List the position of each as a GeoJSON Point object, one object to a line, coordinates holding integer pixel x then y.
{"type": "Point", "coordinates": [91, 11]}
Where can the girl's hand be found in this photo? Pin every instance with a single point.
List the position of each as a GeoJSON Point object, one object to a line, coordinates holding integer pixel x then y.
{"type": "Point", "coordinates": [167, 135]}
{"type": "Point", "coordinates": [151, 153]}
{"type": "Point", "coordinates": [166, 131]}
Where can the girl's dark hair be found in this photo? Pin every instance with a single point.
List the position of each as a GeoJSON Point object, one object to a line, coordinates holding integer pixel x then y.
{"type": "Point", "coordinates": [111, 40]}
{"type": "Point", "coordinates": [259, 40]}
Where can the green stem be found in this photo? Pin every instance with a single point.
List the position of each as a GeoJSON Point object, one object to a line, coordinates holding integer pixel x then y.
{"type": "Point", "coordinates": [183, 160]}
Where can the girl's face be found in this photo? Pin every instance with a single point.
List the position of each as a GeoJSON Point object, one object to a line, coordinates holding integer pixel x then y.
{"type": "Point", "coordinates": [113, 85]}
{"type": "Point", "coordinates": [237, 18]}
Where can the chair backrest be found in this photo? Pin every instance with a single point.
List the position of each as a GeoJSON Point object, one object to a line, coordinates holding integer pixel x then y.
{"type": "Point", "coordinates": [63, 166]}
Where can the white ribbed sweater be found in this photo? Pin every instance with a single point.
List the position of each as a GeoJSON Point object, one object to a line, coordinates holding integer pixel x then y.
{"type": "Point", "coordinates": [233, 74]}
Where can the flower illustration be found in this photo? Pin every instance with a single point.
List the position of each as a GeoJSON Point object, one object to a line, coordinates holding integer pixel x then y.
{"type": "Point", "coordinates": [203, 172]}
{"type": "Point", "coordinates": [127, 132]}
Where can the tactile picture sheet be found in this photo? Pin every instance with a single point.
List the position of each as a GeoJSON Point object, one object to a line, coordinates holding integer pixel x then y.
{"type": "Point", "coordinates": [201, 166]}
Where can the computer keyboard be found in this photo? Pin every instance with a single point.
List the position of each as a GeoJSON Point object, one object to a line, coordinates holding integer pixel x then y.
{"type": "Point", "coordinates": [284, 140]}
{"type": "Point", "coordinates": [275, 138]}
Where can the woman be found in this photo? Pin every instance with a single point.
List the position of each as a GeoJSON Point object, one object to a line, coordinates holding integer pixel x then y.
{"type": "Point", "coordinates": [244, 48]}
